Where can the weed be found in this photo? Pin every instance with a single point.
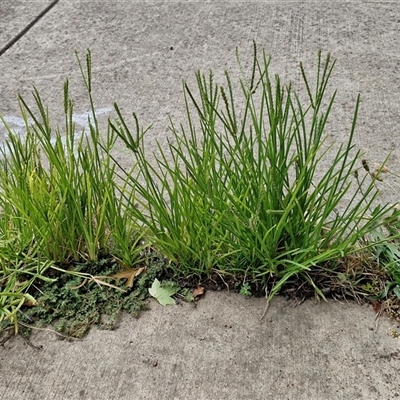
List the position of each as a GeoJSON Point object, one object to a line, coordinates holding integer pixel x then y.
{"type": "Point", "coordinates": [245, 188]}
{"type": "Point", "coordinates": [245, 290]}
{"type": "Point", "coordinates": [74, 307]}
{"type": "Point", "coordinates": [60, 203]}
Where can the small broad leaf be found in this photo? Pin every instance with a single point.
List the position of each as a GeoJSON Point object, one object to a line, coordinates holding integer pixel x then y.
{"type": "Point", "coordinates": [162, 294]}
{"type": "Point", "coordinates": [341, 276]}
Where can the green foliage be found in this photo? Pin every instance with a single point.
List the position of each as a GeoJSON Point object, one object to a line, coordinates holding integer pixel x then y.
{"type": "Point", "coordinates": [59, 200]}
{"type": "Point", "coordinates": [20, 268]}
{"type": "Point", "coordinates": [163, 293]}
{"type": "Point", "coordinates": [245, 290]}
{"type": "Point", "coordinates": [244, 188]}
{"type": "Point", "coordinates": [58, 187]}
{"type": "Point", "coordinates": [74, 305]}
{"type": "Point", "coordinates": [387, 254]}
{"type": "Point", "coordinates": [388, 251]}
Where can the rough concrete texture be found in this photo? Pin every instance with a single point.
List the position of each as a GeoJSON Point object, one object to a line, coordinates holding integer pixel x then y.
{"type": "Point", "coordinates": [16, 16]}
{"type": "Point", "coordinates": [219, 350]}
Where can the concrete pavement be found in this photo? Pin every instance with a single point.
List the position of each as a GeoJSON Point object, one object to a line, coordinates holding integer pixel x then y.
{"type": "Point", "coordinates": [220, 349]}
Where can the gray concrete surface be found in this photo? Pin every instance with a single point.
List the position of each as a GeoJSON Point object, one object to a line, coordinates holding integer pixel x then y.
{"type": "Point", "coordinates": [219, 350]}
{"type": "Point", "coordinates": [16, 16]}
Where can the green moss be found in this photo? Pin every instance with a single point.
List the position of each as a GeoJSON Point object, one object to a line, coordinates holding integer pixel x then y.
{"type": "Point", "coordinates": [74, 306]}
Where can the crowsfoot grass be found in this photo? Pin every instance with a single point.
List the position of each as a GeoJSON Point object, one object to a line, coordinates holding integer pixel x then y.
{"type": "Point", "coordinates": [239, 188]}
{"type": "Point", "coordinates": [59, 200]}
{"type": "Point", "coordinates": [246, 187]}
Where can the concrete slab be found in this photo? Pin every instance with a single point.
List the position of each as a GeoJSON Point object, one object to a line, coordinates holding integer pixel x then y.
{"type": "Point", "coordinates": [218, 350]}
{"type": "Point", "coordinates": [141, 52]}
{"type": "Point", "coordinates": [16, 16]}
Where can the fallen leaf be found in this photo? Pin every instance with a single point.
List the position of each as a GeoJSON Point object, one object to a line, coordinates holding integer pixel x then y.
{"type": "Point", "coordinates": [129, 274]}
{"type": "Point", "coordinates": [162, 294]}
{"type": "Point", "coordinates": [199, 291]}
{"type": "Point", "coordinates": [377, 306]}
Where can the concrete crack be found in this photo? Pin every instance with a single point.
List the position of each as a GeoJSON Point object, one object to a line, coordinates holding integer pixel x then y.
{"type": "Point", "coordinates": [28, 27]}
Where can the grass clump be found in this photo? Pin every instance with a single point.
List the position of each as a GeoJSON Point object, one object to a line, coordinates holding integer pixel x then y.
{"type": "Point", "coordinates": [244, 189]}
{"type": "Point", "coordinates": [60, 205]}
{"type": "Point", "coordinates": [58, 188]}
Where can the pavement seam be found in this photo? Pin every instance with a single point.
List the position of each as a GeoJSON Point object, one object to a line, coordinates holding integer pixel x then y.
{"type": "Point", "coordinates": [27, 27]}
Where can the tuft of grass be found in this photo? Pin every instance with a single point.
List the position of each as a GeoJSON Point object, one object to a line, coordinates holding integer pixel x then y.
{"type": "Point", "coordinates": [20, 268]}
{"type": "Point", "coordinates": [247, 191]}
{"type": "Point", "coordinates": [60, 202]}
{"type": "Point", "coordinates": [385, 251]}
{"type": "Point", "coordinates": [58, 187]}
{"type": "Point", "coordinates": [244, 188]}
